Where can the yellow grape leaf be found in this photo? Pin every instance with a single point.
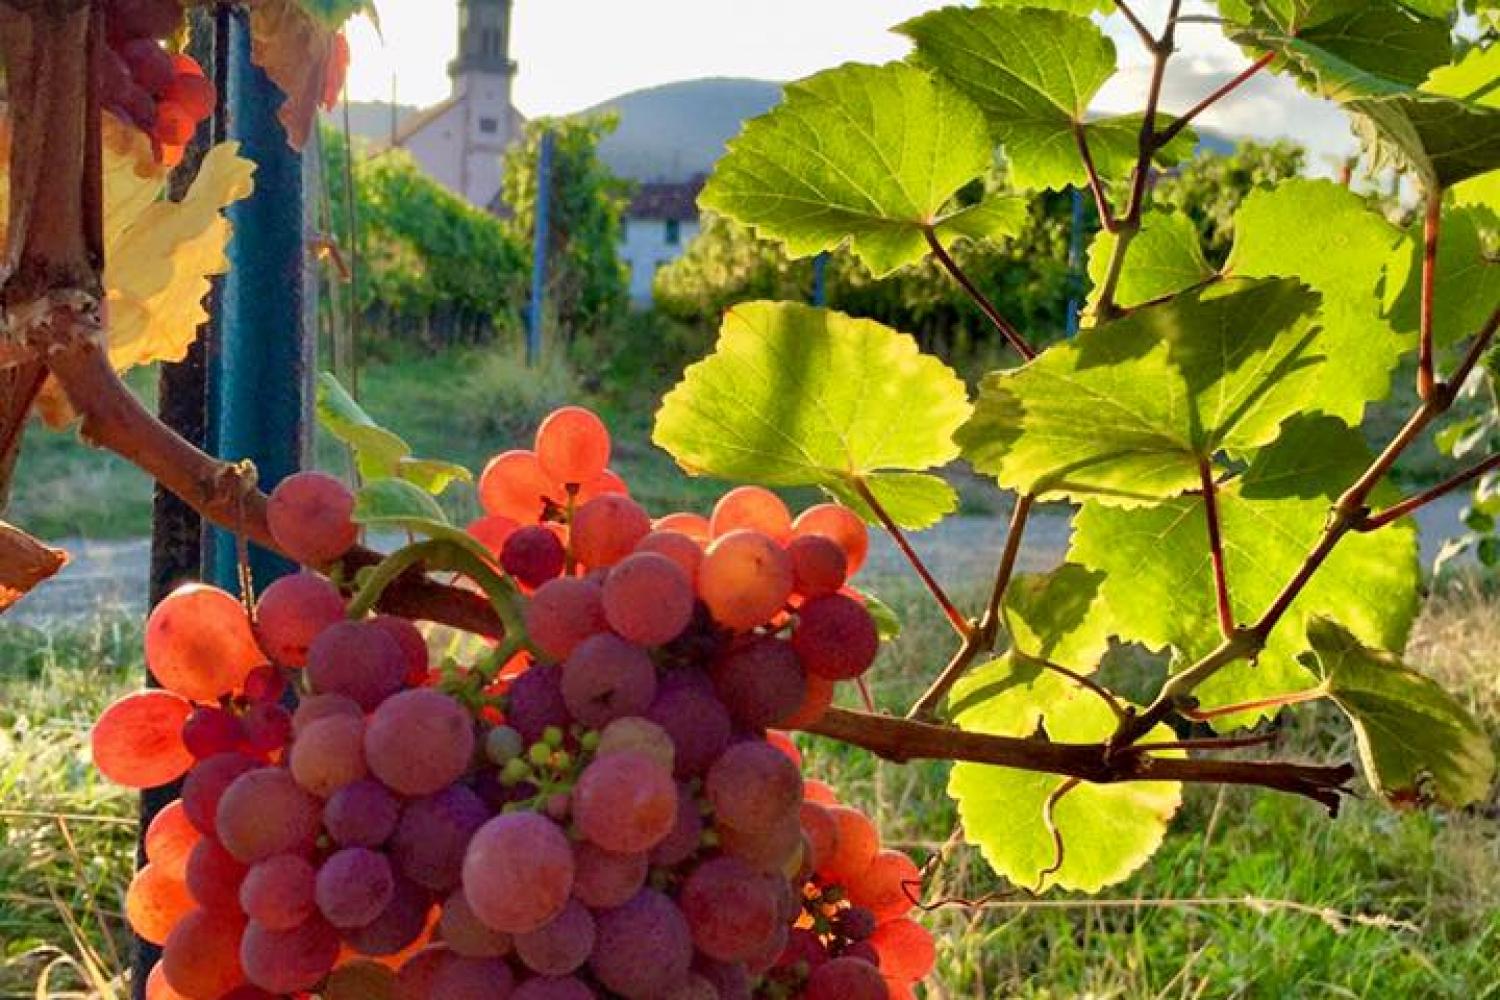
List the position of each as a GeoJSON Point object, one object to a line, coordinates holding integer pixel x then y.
{"type": "Point", "coordinates": [304, 57]}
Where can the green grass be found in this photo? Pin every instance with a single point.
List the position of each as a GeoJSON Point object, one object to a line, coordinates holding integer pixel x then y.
{"type": "Point", "coordinates": [1252, 895]}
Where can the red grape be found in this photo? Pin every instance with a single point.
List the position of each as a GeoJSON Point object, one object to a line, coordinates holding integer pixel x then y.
{"type": "Point", "coordinates": [206, 783]}
{"type": "Point", "coordinates": [278, 892]}
{"type": "Point", "coordinates": [676, 546]}
{"type": "Point", "coordinates": [572, 445]}
{"type": "Point", "coordinates": [602, 879]}
{"type": "Point", "coordinates": [841, 524]}
{"type": "Point", "coordinates": [311, 517]}
{"type": "Point", "coordinates": [194, 94]}
{"type": "Point", "coordinates": [466, 934]}
{"type": "Point", "coordinates": [905, 948]}
{"type": "Point", "coordinates": [518, 872]}
{"type": "Point", "coordinates": [514, 485]}
{"type": "Point", "coordinates": [433, 833]}
{"type": "Point", "coordinates": [846, 979]}
{"type": "Point", "coordinates": [267, 727]}
{"type": "Point", "coordinates": [561, 945]}
{"type": "Point", "coordinates": [201, 957]}
{"type": "Point", "coordinates": [398, 927]}
{"type": "Point", "coordinates": [745, 579]}
{"type": "Point", "coordinates": [138, 741]}
{"type": "Point", "coordinates": [533, 555]}
{"type": "Point", "coordinates": [361, 814]}
{"type": "Point", "coordinates": [607, 678]}
{"type": "Point", "coordinates": [535, 702]}
{"type": "Point", "coordinates": [625, 802]}
{"type": "Point", "coordinates": [642, 949]}
{"type": "Point", "coordinates": [289, 961]}
{"type": "Point", "coordinates": [360, 660]}
{"type": "Point", "coordinates": [730, 908]}
{"type": "Point", "coordinates": [648, 599]}
{"type": "Point", "coordinates": [265, 812]}
{"type": "Point", "coordinates": [606, 529]}
{"type": "Point", "coordinates": [413, 645]}
{"type": "Point", "coordinates": [419, 741]}
{"type": "Point", "coordinates": [155, 903]}
{"type": "Point", "coordinates": [762, 684]}
{"type": "Point", "coordinates": [353, 886]}
{"type": "Point", "coordinates": [854, 849]}
{"type": "Point", "coordinates": [492, 531]}
{"type": "Point", "coordinates": [835, 637]}
{"type": "Point", "coordinates": [695, 526]}
{"type": "Point", "coordinates": [697, 722]}
{"type": "Point", "coordinates": [214, 876]}
{"type": "Point", "coordinates": [329, 754]}
{"type": "Point", "coordinates": [819, 566]}
{"type": "Point", "coordinates": [199, 643]}
{"type": "Point", "coordinates": [887, 886]}
{"type": "Point", "coordinates": [150, 65]}
{"type": "Point", "coordinates": [293, 611]}
{"type": "Point", "coordinates": [170, 838]}
{"type": "Point", "coordinates": [212, 730]}
{"type": "Point", "coordinates": [753, 787]}
{"type": "Point", "coordinates": [563, 613]}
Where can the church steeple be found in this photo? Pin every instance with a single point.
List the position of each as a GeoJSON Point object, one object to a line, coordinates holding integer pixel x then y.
{"type": "Point", "coordinates": [483, 38]}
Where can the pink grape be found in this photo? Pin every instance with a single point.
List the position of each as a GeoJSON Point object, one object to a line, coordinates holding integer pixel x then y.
{"type": "Point", "coordinates": [320, 706]}
{"type": "Point", "coordinates": [603, 879]}
{"type": "Point", "coordinates": [361, 814]}
{"type": "Point", "coordinates": [141, 741]}
{"type": "Point", "coordinates": [846, 979]}
{"type": "Point", "coordinates": [214, 876]}
{"type": "Point", "coordinates": [535, 702]}
{"type": "Point", "coordinates": [762, 683]}
{"type": "Point", "coordinates": [206, 783]}
{"type": "Point", "coordinates": [199, 643]}
{"type": "Point", "coordinates": [819, 566]}
{"type": "Point", "coordinates": [563, 613]}
{"type": "Point", "coordinates": [515, 486]}
{"type": "Point", "coordinates": [433, 833]}
{"type": "Point", "coordinates": [518, 872]}
{"type": "Point", "coordinates": [201, 957]}
{"type": "Point", "coordinates": [572, 445]}
{"type": "Point", "coordinates": [359, 660]}
{"type": "Point", "coordinates": [835, 637]}
{"type": "Point", "coordinates": [803, 946]}
{"type": "Point", "coordinates": [419, 741]}
{"type": "Point", "coordinates": [533, 555]}
{"type": "Point", "coordinates": [648, 599]}
{"type": "Point", "coordinates": [278, 892]}
{"type": "Point", "coordinates": [292, 612]}
{"type": "Point", "coordinates": [212, 730]}
{"type": "Point", "coordinates": [767, 851]}
{"type": "Point", "coordinates": [696, 721]}
{"type": "Point", "coordinates": [264, 813]}
{"type": "Point", "coordinates": [398, 926]}
{"type": "Point", "coordinates": [840, 524]}
{"type": "Point", "coordinates": [753, 787]}
{"type": "Point", "coordinates": [466, 934]}
{"type": "Point", "coordinates": [886, 886]}
{"type": "Point", "coordinates": [561, 945]}
{"type": "Point", "coordinates": [686, 836]}
{"type": "Point", "coordinates": [606, 529]}
{"type": "Point", "coordinates": [730, 907]}
{"type": "Point", "coordinates": [329, 754]}
{"type": "Point", "coordinates": [745, 579]}
{"type": "Point", "coordinates": [289, 961]}
{"type": "Point", "coordinates": [265, 684]}
{"type": "Point", "coordinates": [625, 802]}
{"type": "Point", "coordinates": [354, 885]}
{"type": "Point", "coordinates": [606, 678]}
{"type": "Point", "coordinates": [311, 518]}
{"type": "Point", "coordinates": [642, 949]}
{"type": "Point", "coordinates": [752, 507]}
{"type": "Point", "coordinates": [676, 546]}
{"type": "Point", "coordinates": [413, 645]}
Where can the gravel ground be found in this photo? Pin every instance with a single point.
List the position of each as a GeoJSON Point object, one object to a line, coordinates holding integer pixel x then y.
{"type": "Point", "coordinates": [105, 576]}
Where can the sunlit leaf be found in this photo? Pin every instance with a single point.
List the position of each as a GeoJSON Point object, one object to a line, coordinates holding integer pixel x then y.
{"type": "Point", "coordinates": [797, 396]}
{"type": "Point", "coordinates": [1164, 258]}
{"type": "Point", "coordinates": [1468, 275]}
{"type": "Point", "coordinates": [1059, 617]}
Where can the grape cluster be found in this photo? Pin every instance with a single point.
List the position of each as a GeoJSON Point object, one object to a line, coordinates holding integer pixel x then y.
{"type": "Point", "coordinates": [610, 813]}
{"type": "Point", "coordinates": [164, 94]}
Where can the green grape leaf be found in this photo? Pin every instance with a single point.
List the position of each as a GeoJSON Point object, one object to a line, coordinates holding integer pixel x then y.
{"type": "Point", "coordinates": [390, 502]}
{"type": "Point", "coordinates": [1058, 617]}
{"type": "Point", "coordinates": [887, 622]}
{"type": "Point", "coordinates": [1164, 258]}
{"type": "Point", "coordinates": [1158, 587]}
{"type": "Point", "coordinates": [1468, 275]}
{"type": "Point", "coordinates": [1084, 7]}
{"type": "Point", "coordinates": [798, 396]}
{"type": "Point", "coordinates": [867, 154]}
{"type": "Point", "coordinates": [379, 453]}
{"type": "Point", "coordinates": [1343, 265]}
{"type": "Point", "coordinates": [995, 217]}
{"type": "Point", "coordinates": [1474, 78]}
{"type": "Point", "coordinates": [1107, 831]}
{"type": "Point", "coordinates": [1442, 140]}
{"type": "Point", "coordinates": [1033, 73]}
{"type": "Point", "coordinates": [1416, 742]}
{"type": "Point", "coordinates": [1127, 410]}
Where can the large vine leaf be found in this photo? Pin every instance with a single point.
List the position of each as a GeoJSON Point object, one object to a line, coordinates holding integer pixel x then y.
{"type": "Point", "coordinates": [1127, 410]}
{"type": "Point", "coordinates": [1033, 72]}
{"type": "Point", "coordinates": [379, 453]}
{"type": "Point", "coordinates": [1343, 265]}
{"type": "Point", "coordinates": [1164, 258]}
{"type": "Point", "coordinates": [1468, 275]}
{"type": "Point", "coordinates": [868, 154]}
{"type": "Point", "coordinates": [1417, 743]}
{"type": "Point", "coordinates": [304, 55]}
{"type": "Point", "coordinates": [1474, 78]}
{"type": "Point", "coordinates": [1158, 587]}
{"type": "Point", "coordinates": [797, 396]}
{"type": "Point", "coordinates": [1107, 831]}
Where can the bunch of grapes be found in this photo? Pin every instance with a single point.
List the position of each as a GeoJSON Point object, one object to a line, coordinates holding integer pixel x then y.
{"type": "Point", "coordinates": [164, 94]}
{"type": "Point", "coordinates": [613, 812]}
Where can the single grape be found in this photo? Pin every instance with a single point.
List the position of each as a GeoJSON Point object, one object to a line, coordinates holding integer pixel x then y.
{"type": "Point", "coordinates": [289, 961]}
{"type": "Point", "coordinates": [311, 517]}
{"type": "Point", "coordinates": [686, 836]}
{"type": "Point", "coordinates": [607, 481]}
{"type": "Point", "coordinates": [213, 876]}
{"type": "Point", "coordinates": [419, 741]}
{"type": "Point", "coordinates": [265, 812]}
{"type": "Point", "coordinates": [855, 923]}
{"type": "Point", "coordinates": [835, 637]}
{"type": "Point", "coordinates": [138, 741]}
{"type": "Point", "coordinates": [857, 844]}
{"type": "Point", "coordinates": [329, 754]}
{"type": "Point", "coordinates": [199, 643]}
{"type": "Point", "coordinates": [761, 683]}
{"type": "Point", "coordinates": [730, 907]}
{"type": "Point", "coordinates": [292, 612]}
{"type": "Point", "coordinates": [564, 612]}
{"type": "Point", "coordinates": [697, 722]}
{"type": "Point", "coordinates": [205, 785]}
{"type": "Point", "coordinates": [535, 702]}
{"type": "Point", "coordinates": [820, 792]}
{"type": "Point", "coordinates": [212, 730]}
{"type": "Point", "coordinates": [155, 904]}
{"type": "Point", "coordinates": [267, 727]}
{"type": "Point", "coordinates": [887, 887]}
{"type": "Point", "coordinates": [603, 879]}
{"type": "Point", "coordinates": [636, 733]}
{"type": "Point", "coordinates": [157, 987]}
{"type": "Point", "coordinates": [313, 707]}
{"type": "Point", "coordinates": [695, 526]}
{"type": "Point", "coordinates": [642, 949]}
{"type": "Point", "coordinates": [819, 566]}
{"type": "Point", "coordinates": [361, 814]}
{"type": "Point", "coordinates": [278, 893]}
{"type": "Point", "coordinates": [822, 833]}
{"type": "Point", "coordinates": [752, 507]}
{"type": "Point", "coordinates": [533, 555]}
{"type": "Point", "coordinates": [840, 524]}
{"type": "Point", "coordinates": [753, 787]}
{"type": "Point", "coordinates": [193, 94]}
{"type": "Point", "coordinates": [433, 834]}
{"type": "Point", "coordinates": [683, 550]}
{"type": "Point", "coordinates": [515, 486]}
{"type": "Point", "coordinates": [606, 529]}
{"type": "Point", "coordinates": [201, 957]}
{"type": "Point", "coordinates": [905, 948]}
{"type": "Point", "coordinates": [413, 645]}
{"type": "Point", "coordinates": [463, 931]}
{"type": "Point", "coordinates": [398, 927]}
{"type": "Point", "coordinates": [354, 885]}
{"type": "Point", "coordinates": [518, 872]}
{"type": "Point", "coordinates": [846, 979]}
{"type": "Point", "coordinates": [745, 579]}
{"type": "Point", "coordinates": [561, 945]}
{"type": "Point", "coordinates": [492, 531]}
{"type": "Point", "coordinates": [648, 599]}
{"type": "Point", "coordinates": [265, 684]}
{"type": "Point", "coordinates": [170, 838]}
{"type": "Point", "coordinates": [625, 802]}
{"type": "Point", "coordinates": [606, 678]}
{"type": "Point", "coordinates": [504, 744]}
{"type": "Point", "coordinates": [572, 445]}
{"type": "Point", "coordinates": [359, 660]}
{"type": "Point", "coordinates": [776, 850]}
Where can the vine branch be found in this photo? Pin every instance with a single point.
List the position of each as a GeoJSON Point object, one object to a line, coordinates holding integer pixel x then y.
{"type": "Point", "coordinates": [1096, 183]}
{"type": "Point", "coordinates": [1413, 503]}
{"type": "Point", "coordinates": [1007, 329]}
{"type": "Point", "coordinates": [1171, 132]}
{"type": "Point", "coordinates": [1431, 228]}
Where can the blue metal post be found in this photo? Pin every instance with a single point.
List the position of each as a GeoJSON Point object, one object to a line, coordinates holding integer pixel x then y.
{"type": "Point", "coordinates": [259, 398]}
{"type": "Point", "coordinates": [541, 241]}
{"type": "Point", "coordinates": [1075, 263]}
{"type": "Point", "coordinates": [820, 279]}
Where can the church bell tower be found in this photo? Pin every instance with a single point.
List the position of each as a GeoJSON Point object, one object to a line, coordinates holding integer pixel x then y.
{"type": "Point", "coordinates": [483, 39]}
{"type": "Point", "coordinates": [483, 77]}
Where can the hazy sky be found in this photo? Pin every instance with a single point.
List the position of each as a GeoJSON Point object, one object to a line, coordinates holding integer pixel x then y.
{"type": "Point", "coordinates": [576, 53]}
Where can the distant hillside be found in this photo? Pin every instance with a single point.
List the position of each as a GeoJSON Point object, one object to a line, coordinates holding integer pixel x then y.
{"type": "Point", "coordinates": [369, 119]}
{"type": "Point", "coordinates": [678, 130]}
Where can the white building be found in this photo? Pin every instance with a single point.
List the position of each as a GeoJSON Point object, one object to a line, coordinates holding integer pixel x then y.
{"type": "Point", "coordinates": [659, 224]}
{"type": "Point", "coordinates": [462, 142]}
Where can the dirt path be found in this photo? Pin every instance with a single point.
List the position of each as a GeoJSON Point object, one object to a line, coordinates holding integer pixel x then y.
{"type": "Point", "coordinates": [111, 576]}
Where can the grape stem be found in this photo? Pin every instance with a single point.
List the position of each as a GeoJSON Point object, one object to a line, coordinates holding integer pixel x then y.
{"type": "Point", "coordinates": [1216, 547]}
{"type": "Point", "coordinates": [1413, 503]}
{"type": "Point", "coordinates": [1008, 330]}
{"type": "Point", "coordinates": [1431, 228]}
{"type": "Point", "coordinates": [960, 624]}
